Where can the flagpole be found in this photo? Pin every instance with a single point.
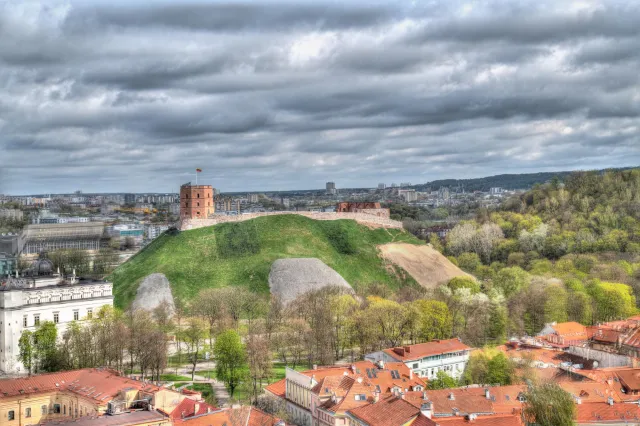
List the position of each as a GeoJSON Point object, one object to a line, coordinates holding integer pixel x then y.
{"type": "Point", "coordinates": [196, 177]}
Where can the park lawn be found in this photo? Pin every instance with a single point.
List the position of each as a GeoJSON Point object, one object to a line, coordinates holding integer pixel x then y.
{"type": "Point", "coordinates": [173, 378]}
{"type": "Point", "coordinates": [241, 254]}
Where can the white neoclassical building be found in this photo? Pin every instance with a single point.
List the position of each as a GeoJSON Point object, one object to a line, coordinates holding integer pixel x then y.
{"type": "Point", "coordinates": [42, 295]}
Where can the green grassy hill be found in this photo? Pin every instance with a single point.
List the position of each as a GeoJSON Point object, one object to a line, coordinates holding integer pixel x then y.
{"type": "Point", "coordinates": [241, 254]}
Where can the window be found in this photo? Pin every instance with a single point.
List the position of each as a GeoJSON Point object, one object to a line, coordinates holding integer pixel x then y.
{"type": "Point", "coordinates": [415, 365]}
{"type": "Point", "coordinates": [64, 410]}
{"type": "Point", "coordinates": [198, 195]}
{"type": "Point", "coordinates": [43, 410]}
{"type": "Point", "coordinates": [27, 412]}
{"type": "Point", "coordinates": [12, 415]}
{"type": "Point", "coordinates": [56, 408]}
{"type": "Point", "coordinates": [36, 319]}
{"type": "Point", "coordinates": [198, 204]}
{"type": "Point", "coordinates": [76, 315]}
{"type": "Point", "coordinates": [56, 317]}
{"type": "Point", "coordinates": [89, 313]}
{"type": "Point", "coordinates": [25, 321]}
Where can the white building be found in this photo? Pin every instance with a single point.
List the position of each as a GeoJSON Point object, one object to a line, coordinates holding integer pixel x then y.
{"type": "Point", "coordinates": [41, 295]}
{"type": "Point", "coordinates": [426, 359]}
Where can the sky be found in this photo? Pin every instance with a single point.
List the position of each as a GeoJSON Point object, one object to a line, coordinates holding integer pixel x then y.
{"type": "Point", "coordinates": [133, 96]}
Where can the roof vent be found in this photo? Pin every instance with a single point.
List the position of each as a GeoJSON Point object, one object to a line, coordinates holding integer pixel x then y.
{"type": "Point", "coordinates": [452, 397]}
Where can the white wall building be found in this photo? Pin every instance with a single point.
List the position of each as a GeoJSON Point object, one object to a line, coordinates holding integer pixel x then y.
{"type": "Point", "coordinates": [42, 295]}
{"type": "Point", "coordinates": [427, 359]}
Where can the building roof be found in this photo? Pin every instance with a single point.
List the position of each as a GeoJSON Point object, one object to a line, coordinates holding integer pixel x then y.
{"type": "Point", "coordinates": [435, 347]}
{"type": "Point", "coordinates": [593, 391]}
{"type": "Point", "coordinates": [364, 377]}
{"type": "Point", "coordinates": [501, 400]}
{"type": "Point", "coordinates": [630, 378]}
{"type": "Point", "coordinates": [572, 329]}
{"type": "Point", "coordinates": [245, 416]}
{"type": "Point", "coordinates": [189, 408]}
{"type": "Point", "coordinates": [496, 420]}
{"type": "Point", "coordinates": [602, 413]}
{"type": "Point", "coordinates": [63, 230]}
{"type": "Point", "coordinates": [390, 411]}
{"type": "Point", "coordinates": [100, 385]}
{"type": "Point", "coordinates": [633, 340]}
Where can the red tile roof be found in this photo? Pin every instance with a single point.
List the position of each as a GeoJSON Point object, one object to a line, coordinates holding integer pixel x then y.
{"type": "Point", "coordinates": [630, 378]}
{"type": "Point", "coordinates": [600, 412]}
{"type": "Point", "coordinates": [101, 385]}
{"type": "Point", "coordinates": [435, 347]}
{"type": "Point", "coordinates": [390, 411]}
{"type": "Point", "coordinates": [249, 416]}
{"type": "Point", "coordinates": [572, 329]}
{"type": "Point", "coordinates": [189, 408]}
{"type": "Point", "coordinates": [496, 420]}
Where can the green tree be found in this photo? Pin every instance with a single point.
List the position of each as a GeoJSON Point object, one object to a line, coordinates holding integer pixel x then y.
{"type": "Point", "coordinates": [469, 262]}
{"type": "Point", "coordinates": [45, 338]}
{"type": "Point", "coordinates": [612, 300]}
{"type": "Point", "coordinates": [26, 354]}
{"type": "Point", "coordinates": [231, 359]}
{"type": "Point", "coordinates": [442, 381]}
{"type": "Point", "coordinates": [194, 336]}
{"type": "Point", "coordinates": [464, 282]}
{"type": "Point", "coordinates": [511, 280]}
{"type": "Point", "coordinates": [500, 370]}
{"type": "Point", "coordinates": [549, 405]}
{"type": "Point", "coordinates": [555, 306]}
{"type": "Point", "coordinates": [434, 320]}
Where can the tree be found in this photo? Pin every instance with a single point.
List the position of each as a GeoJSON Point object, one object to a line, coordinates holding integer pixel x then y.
{"type": "Point", "coordinates": [390, 319]}
{"type": "Point", "coordinates": [26, 350]}
{"type": "Point", "coordinates": [259, 360]}
{"type": "Point", "coordinates": [511, 280]}
{"type": "Point", "coordinates": [469, 262]}
{"type": "Point", "coordinates": [194, 336]}
{"type": "Point", "coordinates": [464, 282]}
{"type": "Point", "coordinates": [549, 405]}
{"type": "Point", "coordinates": [442, 381]}
{"type": "Point", "coordinates": [231, 359]}
{"type": "Point", "coordinates": [44, 339]}
{"type": "Point", "coordinates": [434, 320]}
{"type": "Point", "coordinates": [500, 370]}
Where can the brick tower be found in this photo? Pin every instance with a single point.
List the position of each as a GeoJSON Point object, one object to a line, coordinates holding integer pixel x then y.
{"type": "Point", "coordinates": [196, 201]}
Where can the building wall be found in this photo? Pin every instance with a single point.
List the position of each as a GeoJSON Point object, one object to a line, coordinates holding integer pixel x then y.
{"type": "Point", "coordinates": [362, 218]}
{"type": "Point", "coordinates": [196, 202]}
{"type": "Point", "coordinates": [43, 407]}
{"type": "Point", "coordinates": [16, 306]}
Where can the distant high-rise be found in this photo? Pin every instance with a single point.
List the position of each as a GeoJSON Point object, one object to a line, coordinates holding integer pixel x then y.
{"type": "Point", "coordinates": [196, 201]}
{"type": "Point", "coordinates": [382, 186]}
{"type": "Point", "coordinates": [331, 188]}
{"type": "Point", "coordinates": [129, 198]}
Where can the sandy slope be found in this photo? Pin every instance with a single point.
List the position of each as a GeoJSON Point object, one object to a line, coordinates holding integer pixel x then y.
{"type": "Point", "coordinates": [426, 265]}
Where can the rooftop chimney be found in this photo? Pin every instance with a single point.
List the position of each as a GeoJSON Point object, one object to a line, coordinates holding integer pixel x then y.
{"type": "Point", "coordinates": [376, 396]}
{"type": "Point", "coordinates": [424, 396]}
{"type": "Point", "coordinates": [610, 401]}
{"type": "Point", "coordinates": [427, 409]}
{"type": "Point", "coordinates": [407, 349]}
{"type": "Point", "coordinates": [196, 407]}
{"type": "Point", "coordinates": [410, 374]}
{"type": "Point", "coordinates": [359, 379]}
{"type": "Point", "coordinates": [487, 394]}
{"type": "Point", "coordinates": [381, 364]}
{"type": "Point", "coordinates": [452, 397]}
{"type": "Point", "coordinates": [315, 366]}
{"type": "Point", "coordinates": [472, 417]}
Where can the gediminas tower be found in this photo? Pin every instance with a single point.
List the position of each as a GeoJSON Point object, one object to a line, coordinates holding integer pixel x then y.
{"type": "Point", "coordinates": [196, 201]}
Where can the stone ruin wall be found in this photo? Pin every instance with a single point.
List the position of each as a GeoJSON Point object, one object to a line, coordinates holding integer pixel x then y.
{"type": "Point", "coordinates": [370, 217]}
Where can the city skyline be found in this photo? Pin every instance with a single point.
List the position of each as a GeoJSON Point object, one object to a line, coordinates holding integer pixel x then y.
{"type": "Point", "coordinates": [118, 97]}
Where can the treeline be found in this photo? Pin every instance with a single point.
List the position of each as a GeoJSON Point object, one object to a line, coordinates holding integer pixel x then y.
{"type": "Point", "coordinates": [557, 253]}
{"type": "Point", "coordinates": [135, 340]}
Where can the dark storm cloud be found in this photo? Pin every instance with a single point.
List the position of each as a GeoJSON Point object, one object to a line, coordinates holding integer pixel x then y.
{"type": "Point", "coordinates": [133, 97]}
{"type": "Point", "coordinates": [232, 17]}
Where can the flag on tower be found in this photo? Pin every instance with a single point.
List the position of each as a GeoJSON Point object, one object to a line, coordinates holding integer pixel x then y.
{"type": "Point", "coordinates": [198, 170]}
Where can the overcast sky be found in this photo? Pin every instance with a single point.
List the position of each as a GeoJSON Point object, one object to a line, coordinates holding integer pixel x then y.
{"type": "Point", "coordinates": [133, 96]}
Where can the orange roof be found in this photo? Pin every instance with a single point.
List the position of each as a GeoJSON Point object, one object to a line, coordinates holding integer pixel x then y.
{"type": "Point", "coordinates": [278, 388]}
{"type": "Point", "coordinates": [571, 329]}
{"type": "Point", "coordinates": [630, 378]}
{"type": "Point", "coordinates": [189, 408]}
{"type": "Point", "coordinates": [600, 412]}
{"type": "Point", "coordinates": [633, 339]}
{"type": "Point", "coordinates": [496, 420]}
{"type": "Point", "coordinates": [247, 415]}
{"type": "Point", "coordinates": [390, 411]}
{"type": "Point", "coordinates": [592, 391]}
{"type": "Point", "coordinates": [435, 347]}
{"type": "Point", "coordinates": [502, 400]}
{"type": "Point", "coordinates": [101, 385]}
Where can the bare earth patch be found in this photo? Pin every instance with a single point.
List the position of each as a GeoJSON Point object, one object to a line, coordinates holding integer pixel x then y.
{"type": "Point", "coordinates": [290, 278]}
{"type": "Point", "coordinates": [426, 265]}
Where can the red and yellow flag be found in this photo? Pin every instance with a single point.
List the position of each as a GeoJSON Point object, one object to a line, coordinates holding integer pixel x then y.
{"type": "Point", "coordinates": [198, 170]}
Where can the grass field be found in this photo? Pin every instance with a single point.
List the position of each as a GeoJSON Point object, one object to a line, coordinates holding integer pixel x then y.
{"type": "Point", "coordinates": [241, 254]}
